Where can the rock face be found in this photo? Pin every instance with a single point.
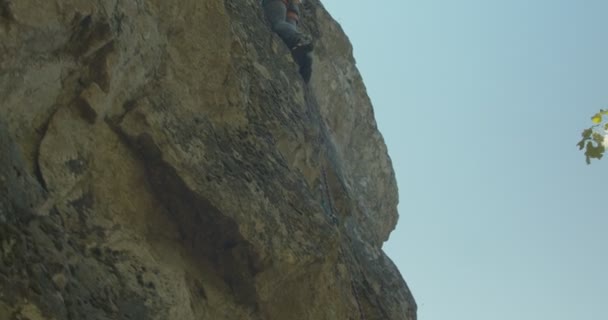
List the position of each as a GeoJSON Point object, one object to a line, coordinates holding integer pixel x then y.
{"type": "Point", "coordinates": [164, 160]}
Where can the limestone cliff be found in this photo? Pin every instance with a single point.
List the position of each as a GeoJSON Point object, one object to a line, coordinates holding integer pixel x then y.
{"type": "Point", "coordinates": [163, 159]}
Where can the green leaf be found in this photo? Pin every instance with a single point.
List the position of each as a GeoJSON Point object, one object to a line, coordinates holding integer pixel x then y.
{"type": "Point", "coordinates": [598, 138]}
{"type": "Point", "coordinates": [587, 133]}
{"type": "Point", "coordinates": [581, 144]}
{"type": "Point", "coordinates": [593, 138]}
{"type": "Point", "coordinates": [594, 152]}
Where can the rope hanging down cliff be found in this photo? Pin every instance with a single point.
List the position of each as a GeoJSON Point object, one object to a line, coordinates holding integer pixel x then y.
{"type": "Point", "coordinates": [330, 166]}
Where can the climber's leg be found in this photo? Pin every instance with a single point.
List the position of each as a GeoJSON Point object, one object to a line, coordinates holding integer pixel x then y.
{"type": "Point", "coordinates": [284, 22]}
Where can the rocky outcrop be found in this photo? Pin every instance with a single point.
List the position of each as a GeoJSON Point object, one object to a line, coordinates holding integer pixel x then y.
{"type": "Point", "coordinates": [164, 160]}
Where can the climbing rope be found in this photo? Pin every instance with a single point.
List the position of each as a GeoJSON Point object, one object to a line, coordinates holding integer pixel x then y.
{"type": "Point", "coordinates": [328, 197]}
{"type": "Point", "coordinates": [324, 140]}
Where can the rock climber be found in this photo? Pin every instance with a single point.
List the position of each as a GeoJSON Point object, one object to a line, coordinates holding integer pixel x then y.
{"type": "Point", "coordinates": [283, 16]}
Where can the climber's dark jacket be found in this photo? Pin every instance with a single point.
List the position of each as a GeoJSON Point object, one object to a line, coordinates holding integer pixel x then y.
{"type": "Point", "coordinates": [283, 16]}
{"type": "Point", "coordinates": [293, 8]}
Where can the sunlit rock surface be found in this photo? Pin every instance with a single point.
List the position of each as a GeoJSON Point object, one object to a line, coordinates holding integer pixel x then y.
{"type": "Point", "coordinates": [164, 160]}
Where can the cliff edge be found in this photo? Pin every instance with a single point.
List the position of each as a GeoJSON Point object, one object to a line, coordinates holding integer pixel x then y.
{"type": "Point", "coordinates": [164, 160]}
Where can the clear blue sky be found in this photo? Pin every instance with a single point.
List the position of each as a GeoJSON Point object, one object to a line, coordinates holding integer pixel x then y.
{"type": "Point", "coordinates": [481, 103]}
